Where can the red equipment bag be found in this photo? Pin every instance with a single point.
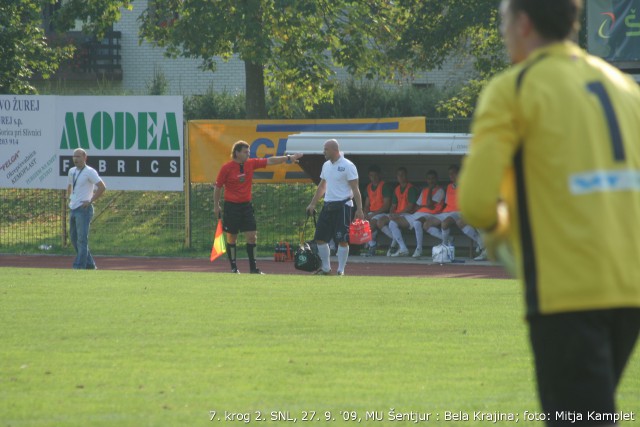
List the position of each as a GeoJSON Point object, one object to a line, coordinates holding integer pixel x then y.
{"type": "Point", "coordinates": [359, 232]}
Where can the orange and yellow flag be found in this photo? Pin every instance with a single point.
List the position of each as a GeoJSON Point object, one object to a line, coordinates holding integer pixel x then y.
{"type": "Point", "coordinates": [219, 244]}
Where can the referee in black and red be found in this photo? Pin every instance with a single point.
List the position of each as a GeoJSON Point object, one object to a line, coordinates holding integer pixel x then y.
{"type": "Point", "coordinates": [236, 177]}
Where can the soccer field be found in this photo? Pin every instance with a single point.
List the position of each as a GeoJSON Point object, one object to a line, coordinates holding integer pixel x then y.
{"type": "Point", "coordinates": [119, 348]}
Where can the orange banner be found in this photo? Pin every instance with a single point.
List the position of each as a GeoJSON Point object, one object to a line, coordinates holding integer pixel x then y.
{"type": "Point", "coordinates": [210, 142]}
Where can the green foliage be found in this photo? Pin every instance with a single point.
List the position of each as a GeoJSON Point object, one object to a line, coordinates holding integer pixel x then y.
{"type": "Point", "coordinates": [350, 100]}
{"type": "Point", "coordinates": [30, 218]}
{"type": "Point", "coordinates": [24, 51]}
{"type": "Point", "coordinates": [158, 84]}
{"type": "Point", "coordinates": [214, 105]}
{"type": "Point", "coordinates": [146, 223]}
{"type": "Point", "coordinates": [96, 16]}
{"type": "Point", "coordinates": [101, 86]}
{"type": "Point", "coordinates": [291, 45]}
{"type": "Point", "coordinates": [373, 99]}
{"type": "Point", "coordinates": [292, 49]}
{"type": "Point", "coordinates": [485, 44]}
{"type": "Point", "coordinates": [432, 30]}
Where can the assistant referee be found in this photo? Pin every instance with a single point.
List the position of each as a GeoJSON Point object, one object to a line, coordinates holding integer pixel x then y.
{"type": "Point", "coordinates": [236, 177]}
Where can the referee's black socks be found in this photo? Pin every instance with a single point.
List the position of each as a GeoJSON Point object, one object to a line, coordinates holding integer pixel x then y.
{"type": "Point", "coordinates": [231, 253]}
{"type": "Point", "coordinates": [251, 252]}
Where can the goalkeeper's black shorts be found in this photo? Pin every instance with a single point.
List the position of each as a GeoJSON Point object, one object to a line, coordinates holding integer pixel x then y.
{"type": "Point", "coordinates": [579, 359]}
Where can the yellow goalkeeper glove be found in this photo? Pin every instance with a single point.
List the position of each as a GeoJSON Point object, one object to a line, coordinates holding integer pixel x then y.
{"type": "Point", "coordinates": [496, 241]}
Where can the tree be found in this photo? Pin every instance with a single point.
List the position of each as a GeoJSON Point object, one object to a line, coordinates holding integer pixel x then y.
{"type": "Point", "coordinates": [436, 30]}
{"type": "Point", "coordinates": [290, 47]}
{"type": "Point", "coordinates": [24, 50]}
{"type": "Point", "coordinates": [23, 47]}
{"type": "Point", "coordinates": [485, 44]}
{"type": "Point", "coordinates": [96, 16]}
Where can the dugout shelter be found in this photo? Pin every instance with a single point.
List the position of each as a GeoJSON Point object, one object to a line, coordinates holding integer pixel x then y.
{"type": "Point", "coordinates": [418, 152]}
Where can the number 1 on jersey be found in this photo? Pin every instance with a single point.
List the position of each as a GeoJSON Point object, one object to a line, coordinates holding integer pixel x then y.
{"type": "Point", "coordinates": [597, 88]}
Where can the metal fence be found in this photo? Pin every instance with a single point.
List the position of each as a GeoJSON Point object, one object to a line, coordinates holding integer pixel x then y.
{"type": "Point", "coordinates": [156, 223]}
{"type": "Point", "coordinates": [145, 223]}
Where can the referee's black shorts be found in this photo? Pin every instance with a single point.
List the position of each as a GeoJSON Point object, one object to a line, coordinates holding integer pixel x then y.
{"type": "Point", "coordinates": [238, 217]}
{"type": "Point", "coordinates": [333, 222]}
{"type": "Point", "coordinates": [579, 358]}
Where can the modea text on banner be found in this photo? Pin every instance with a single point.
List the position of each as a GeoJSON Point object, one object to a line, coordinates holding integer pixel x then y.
{"type": "Point", "coordinates": [135, 143]}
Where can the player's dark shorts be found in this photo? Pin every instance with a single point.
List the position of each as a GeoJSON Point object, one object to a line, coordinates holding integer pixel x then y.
{"type": "Point", "coordinates": [333, 222]}
{"type": "Point", "coordinates": [579, 358]}
{"type": "Point", "coordinates": [238, 217]}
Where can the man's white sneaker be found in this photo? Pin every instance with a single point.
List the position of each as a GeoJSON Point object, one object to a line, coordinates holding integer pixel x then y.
{"type": "Point", "coordinates": [400, 253]}
{"type": "Point", "coordinates": [417, 253]}
{"type": "Point", "coordinates": [392, 250]}
{"type": "Point", "coordinates": [482, 256]}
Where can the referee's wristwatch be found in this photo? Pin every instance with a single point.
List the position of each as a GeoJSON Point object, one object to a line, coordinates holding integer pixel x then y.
{"type": "Point", "coordinates": [288, 158]}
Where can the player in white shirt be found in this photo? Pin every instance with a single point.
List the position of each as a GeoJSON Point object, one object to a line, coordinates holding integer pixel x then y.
{"type": "Point", "coordinates": [339, 186]}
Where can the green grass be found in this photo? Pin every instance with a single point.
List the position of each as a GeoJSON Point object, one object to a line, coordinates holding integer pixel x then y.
{"type": "Point", "coordinates": [105, 348]}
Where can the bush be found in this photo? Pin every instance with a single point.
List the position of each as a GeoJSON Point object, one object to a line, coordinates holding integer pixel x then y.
{"type": "Point", "coordinates": [215, 105]}
{"type": "Point", "coordinates": [371, 99]}
{"type": "Point", "coordinates": [351, 100]}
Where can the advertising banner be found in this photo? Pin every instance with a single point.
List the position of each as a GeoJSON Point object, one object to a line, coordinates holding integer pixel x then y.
{"type": "Point", "coordinates": [210, 142]}
{"type": "Point", "coordinates": [613, 28]}
{"type": "Point", "coordinates": [134, 142]}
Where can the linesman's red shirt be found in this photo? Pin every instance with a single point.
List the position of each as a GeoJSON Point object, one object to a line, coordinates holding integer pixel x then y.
{"type": "Point", "coordinates": [237, 185]}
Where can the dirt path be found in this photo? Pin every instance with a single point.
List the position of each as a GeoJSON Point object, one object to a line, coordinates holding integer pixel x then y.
{"type": "Point", "coordinates": [357, 266]}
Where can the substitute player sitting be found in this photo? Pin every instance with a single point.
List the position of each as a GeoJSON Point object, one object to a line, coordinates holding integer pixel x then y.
{"type": "Point", "coordinates": [377, 204]}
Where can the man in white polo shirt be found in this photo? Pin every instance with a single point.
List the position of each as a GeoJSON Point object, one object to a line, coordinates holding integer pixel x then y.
{"type": "Point", "coordinates": [85, 187]}
{"type": "Point", "coordinates": [339, 186]}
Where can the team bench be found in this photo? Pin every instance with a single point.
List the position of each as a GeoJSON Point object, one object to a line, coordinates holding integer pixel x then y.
{"type": "Point", "coordinates": [463, 244]}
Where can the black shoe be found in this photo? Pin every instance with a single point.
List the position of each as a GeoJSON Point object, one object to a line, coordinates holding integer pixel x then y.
{"type": "Point", "coordinates": [256, 271]}
{"type": "Point", "coordinates": [235, 270]}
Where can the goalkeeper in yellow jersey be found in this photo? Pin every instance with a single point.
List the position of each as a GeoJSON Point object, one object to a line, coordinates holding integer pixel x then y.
{"type": "Point", "coordinates": [553, 180]}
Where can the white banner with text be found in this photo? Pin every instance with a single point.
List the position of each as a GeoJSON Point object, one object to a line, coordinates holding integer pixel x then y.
{"type": "Point", "coordinates": [134, 142]}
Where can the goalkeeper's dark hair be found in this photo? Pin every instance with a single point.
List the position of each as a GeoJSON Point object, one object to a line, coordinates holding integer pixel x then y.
{"type": "Point", "coordinates": [553, 19]}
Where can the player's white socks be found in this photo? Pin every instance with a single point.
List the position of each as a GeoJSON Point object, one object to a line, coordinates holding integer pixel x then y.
{"type": "Point", "coordinates": [417, 227]}
{"type": "Point", "coordinates": [324, 253]}
{"type": "Point", "coordinates": [397, 235]}
{"type": "Point", "coordinates": [387, 231]}
{"type": "Point", "coordinates": [445, 235]}
{"type": "Point", "coordinates": [343, 255]}
{"type": "Point", "coordinates": [435, 232]}
{"type": "Point", "coordinates": [473, 234]}
{"type": "Point", "coordinates": [373, 242]}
